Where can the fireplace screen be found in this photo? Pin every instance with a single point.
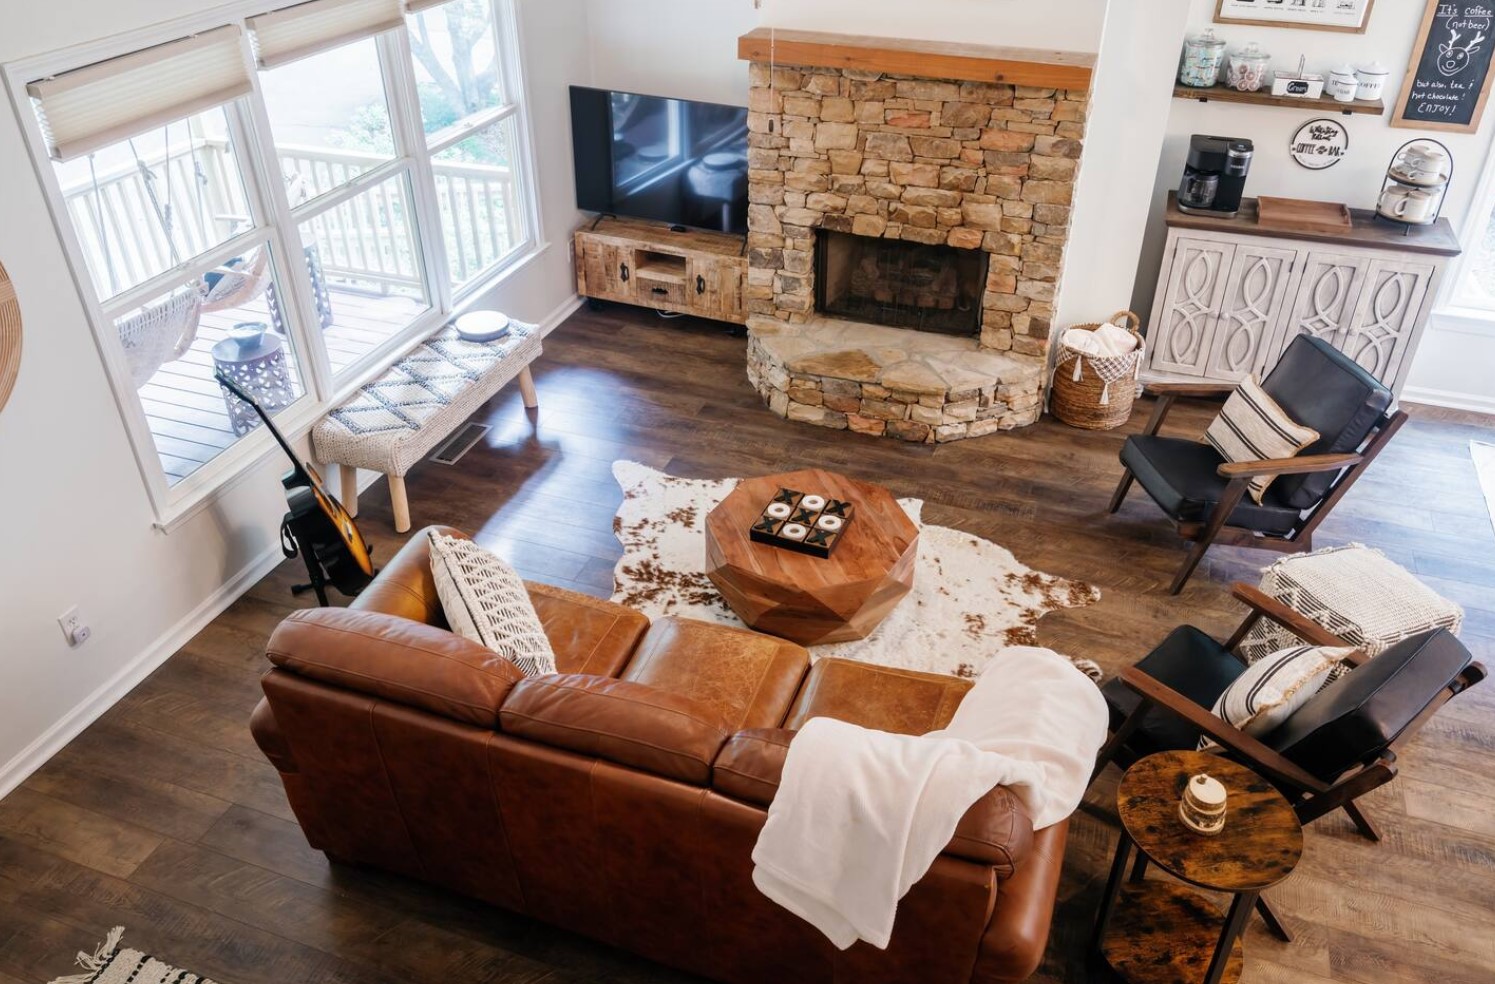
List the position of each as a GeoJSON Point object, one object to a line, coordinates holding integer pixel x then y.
{"type": "Point", "coordinates": [900, 283]}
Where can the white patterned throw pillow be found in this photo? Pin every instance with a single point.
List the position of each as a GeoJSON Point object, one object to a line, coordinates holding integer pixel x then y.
{"type": "Point", "coordinates": [484, 600]}
{"type": "Point", "coordinates": [1275, 686]}
{"type": "Point", "coordinates": [1252, 427]}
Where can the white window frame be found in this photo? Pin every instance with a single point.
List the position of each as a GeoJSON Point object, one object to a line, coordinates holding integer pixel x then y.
{"type": "Point", "coordinates": [1453, 309]}
{"type": "Point", "coordinates": [278, 224]}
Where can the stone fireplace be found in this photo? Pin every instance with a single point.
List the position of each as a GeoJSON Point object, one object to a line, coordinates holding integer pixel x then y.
{"type": "Point", "coordinates": [899, 283]}
{"type": "Point", "coordinates": [906, 233]}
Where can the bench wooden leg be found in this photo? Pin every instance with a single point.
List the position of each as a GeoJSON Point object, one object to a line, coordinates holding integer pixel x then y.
{"type": "Point", "coordinates": [527, 389]}
{"type": "Point", "coordinates": [399, 503]}
{"type": "Point", "coordinates": [347, 485]}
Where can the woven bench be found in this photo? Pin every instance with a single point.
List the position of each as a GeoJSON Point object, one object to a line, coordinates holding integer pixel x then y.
{"type": "Point", "coordinates": [395, 421]}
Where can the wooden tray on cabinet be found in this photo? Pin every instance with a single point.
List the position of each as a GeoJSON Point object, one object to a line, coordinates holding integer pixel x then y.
{"type": "Point", "coordinates": [1303, 215]}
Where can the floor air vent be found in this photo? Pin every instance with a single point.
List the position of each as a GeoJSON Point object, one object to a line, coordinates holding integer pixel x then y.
{"type": "Point", "coordinates": [460, 443]}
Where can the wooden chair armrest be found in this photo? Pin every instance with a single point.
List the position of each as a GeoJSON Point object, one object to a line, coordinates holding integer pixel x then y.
{"type": "Point", "coordinates": [1288, 466]}
{"type": "Point", "coordinates": [1297, 623]}
{"type": "Point", "coordinates": [1258, 756]}
{"type": "Point", "coordinates": [1190, 389]}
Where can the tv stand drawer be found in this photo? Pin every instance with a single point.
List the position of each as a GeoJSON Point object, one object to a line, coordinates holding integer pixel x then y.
{"type": "Point", "coordinates": [670, 292]}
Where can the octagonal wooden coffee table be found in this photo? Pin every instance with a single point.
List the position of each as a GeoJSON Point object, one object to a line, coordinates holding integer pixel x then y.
{"type": "Point", "coordinates": [813, 600]}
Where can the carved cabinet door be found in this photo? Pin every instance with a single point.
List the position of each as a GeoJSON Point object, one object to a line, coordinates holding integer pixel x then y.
{"type": "Point", "coordinates": [714, 287]}
{"type": "Point", "coordinates": [1325, 300]}
{"type": "Point", "coordinates": [607, 270]}
{"type": "Point", "coordinates": [1256, 288]}
{"type": "Point", "coordinates": [1181, 337]}
{"type": "Point", "coordinates": [1387, 313]}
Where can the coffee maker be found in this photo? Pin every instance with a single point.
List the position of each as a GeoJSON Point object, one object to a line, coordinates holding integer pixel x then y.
{"type": "Point", "coordinates": [1215, 175]}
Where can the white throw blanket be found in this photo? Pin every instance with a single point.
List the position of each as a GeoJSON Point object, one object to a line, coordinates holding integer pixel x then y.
{"type": "Point", "coordinates": [860, 815]}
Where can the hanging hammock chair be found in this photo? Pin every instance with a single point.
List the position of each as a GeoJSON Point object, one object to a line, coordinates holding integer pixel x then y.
{"type": "Point", "coordinates": [164, 331]}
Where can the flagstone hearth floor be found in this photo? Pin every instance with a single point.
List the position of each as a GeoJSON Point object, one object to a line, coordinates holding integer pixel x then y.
{"type": "Point", "coordinates": [913, 385]}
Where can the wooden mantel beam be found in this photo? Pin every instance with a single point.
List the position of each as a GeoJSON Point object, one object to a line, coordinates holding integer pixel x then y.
{"type": "Point", "coordinates": [926, 59]}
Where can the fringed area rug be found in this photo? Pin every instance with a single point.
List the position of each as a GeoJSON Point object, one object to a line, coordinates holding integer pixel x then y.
{"type": "Point", "coordinates": [971, 597]}
{"type": "Point", "coordinates": [111, 965]}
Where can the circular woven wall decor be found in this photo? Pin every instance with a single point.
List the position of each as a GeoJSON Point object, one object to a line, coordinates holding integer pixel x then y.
{"type": "Point", "coordinates": [10, 337]}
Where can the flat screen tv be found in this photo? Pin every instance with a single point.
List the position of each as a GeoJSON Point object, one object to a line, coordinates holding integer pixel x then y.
{"type": "Point", "coordinates": [672, 160]}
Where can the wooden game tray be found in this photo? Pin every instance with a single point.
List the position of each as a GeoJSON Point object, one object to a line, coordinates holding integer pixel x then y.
{"type": "Point", "coordinates": [804, 522]}
{"type": "Point", "coordinates": [1303, 215]}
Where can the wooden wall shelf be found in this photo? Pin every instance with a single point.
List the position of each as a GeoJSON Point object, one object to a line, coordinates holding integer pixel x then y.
{"type": "Point", "coordinates": [1323, 104]}
{"type": "Point", "coordinates": [924, 59]}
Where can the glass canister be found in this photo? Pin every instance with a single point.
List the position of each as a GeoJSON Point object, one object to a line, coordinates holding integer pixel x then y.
{"type": "Point", "coordinates": [1200, 66]}
{"type": "Point", "coordinates": [1246, 69]}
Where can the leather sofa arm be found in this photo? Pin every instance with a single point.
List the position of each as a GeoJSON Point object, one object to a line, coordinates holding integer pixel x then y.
{"type": "Point", "coordinates": [996, 830]}
{"type": "Point", "coordinates": [395, 659]}
{"type": "Point", "coordinates": [270, 739]}
{"type": "Point", "coordinates": [632, 724]}
{"type": "Point", "coordinates": [405, 585]}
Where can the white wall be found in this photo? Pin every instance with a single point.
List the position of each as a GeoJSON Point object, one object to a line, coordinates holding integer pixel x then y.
{"type": "Point", "coordinates": [78, 521]}
{"type": "Point", "coordinates": [686, 49]}
{"type": "Point", "coordinates": [1067, 25]}
{"type": "Point", "coordinates": [1444, 359]}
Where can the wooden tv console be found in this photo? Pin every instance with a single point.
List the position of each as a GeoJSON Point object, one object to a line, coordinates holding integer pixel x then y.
{"type": "Point", "coordinates": [647, 263]}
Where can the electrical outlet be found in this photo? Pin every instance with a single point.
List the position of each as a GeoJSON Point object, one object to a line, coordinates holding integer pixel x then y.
{"type": "Point", "coordinates": [74, 629]}
{"type": "Point", "coordinates": [571, 251]}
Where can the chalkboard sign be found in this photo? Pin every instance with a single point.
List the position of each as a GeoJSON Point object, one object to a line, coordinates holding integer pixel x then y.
{"type": "Point", "coordinates": [1449, 76]}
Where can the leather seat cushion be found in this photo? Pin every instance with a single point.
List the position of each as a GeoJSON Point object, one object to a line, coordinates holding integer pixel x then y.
{"type": "Point", "coordinates": [1189, 662]}
{"type": "Point", "coordinates": [397, 659]}
{"type": "Point", "coordinates": [1182, 478]}
{"type": "Point", "coordinates": [589, 635]}
{"type": "Point", "coordinates": [904, 702]}
{"type": "Point", "coordinates": [665, 733]}
{"type": "Point", "coordinates": [1356, 716]}
{"type": "Point", "coordinates": [996, 830]}
{"type": "Point", "coordinates": [1320, 387]}
{"type": "Point", "coordinates": [747, 677]}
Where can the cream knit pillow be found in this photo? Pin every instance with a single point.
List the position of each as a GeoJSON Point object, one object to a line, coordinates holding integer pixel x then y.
{"type": "Point", "coordinates": [1252, 427]}
{"type": "Point", "coordinates": [485, 600]}
{"type": "Point", "coordinates": [1275, 686]}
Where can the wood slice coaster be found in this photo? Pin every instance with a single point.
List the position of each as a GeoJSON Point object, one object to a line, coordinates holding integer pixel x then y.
{"type": "Point", "coordinates": [813, 600]}
{"type": "Point", "coordinates": [1163, 933]}
{"type": "Point", "coordinates": [1260, 845]}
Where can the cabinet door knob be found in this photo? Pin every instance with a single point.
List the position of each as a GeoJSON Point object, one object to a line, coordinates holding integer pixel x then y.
{"type": "Point", "coordinates": [660, 290]}
{"type": "Point", "coordinates": [700, 285]}
{"type": "Point", "coordinates": [623, 271]}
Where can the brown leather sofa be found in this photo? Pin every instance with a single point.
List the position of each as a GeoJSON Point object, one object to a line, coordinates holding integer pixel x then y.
{"type": "Point", "coordinates": [621, 798]}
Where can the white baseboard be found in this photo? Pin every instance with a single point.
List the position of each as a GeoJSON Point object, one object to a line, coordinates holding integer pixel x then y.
{"type": "Point", "coordinates": [1473, 402]}
{"type": "Point", "coordinates": [560, 313]}
{"type": "Point", "coordinates": [71, 724]}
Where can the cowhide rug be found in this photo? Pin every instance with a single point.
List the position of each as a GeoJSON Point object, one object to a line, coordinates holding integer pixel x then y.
{"type": "Point", "coordinates": [971, 597]}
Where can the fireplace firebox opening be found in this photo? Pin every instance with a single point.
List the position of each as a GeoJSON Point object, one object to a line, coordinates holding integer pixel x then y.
{"type": "Point", "coordinates": [899, 283]}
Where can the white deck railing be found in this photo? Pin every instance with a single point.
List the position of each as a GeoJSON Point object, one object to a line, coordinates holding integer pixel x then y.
{"type": "Point", "coordinates": [364, 243]}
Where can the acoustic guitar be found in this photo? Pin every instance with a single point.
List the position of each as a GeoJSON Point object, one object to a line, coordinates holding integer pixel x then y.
{"type": "Point", "coordinates": [322, 528]}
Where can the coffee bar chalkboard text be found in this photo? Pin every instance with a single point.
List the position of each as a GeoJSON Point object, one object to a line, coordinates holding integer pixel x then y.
{"type": "Point", "coordinates": [1449, 76]}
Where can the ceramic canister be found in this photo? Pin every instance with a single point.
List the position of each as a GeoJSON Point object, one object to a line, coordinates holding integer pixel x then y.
{"type": "Point", "coordinates": [1342, 84]}
{"type": "Point", "coordinates": [1370, 80]}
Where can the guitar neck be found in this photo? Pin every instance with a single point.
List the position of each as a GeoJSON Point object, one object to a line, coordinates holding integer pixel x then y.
{"type": "Point", "coordinates": [302, 476]}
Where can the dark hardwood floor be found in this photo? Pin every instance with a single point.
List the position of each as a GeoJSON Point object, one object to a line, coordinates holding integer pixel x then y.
{"type": "Point", "coordinates": [164, 817]}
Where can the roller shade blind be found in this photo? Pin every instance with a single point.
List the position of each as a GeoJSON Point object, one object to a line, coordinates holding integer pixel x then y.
{"type": "Point", "coordinates": [100, 104]}
{"type": "Point", "coordinates": [416, 6]}
{"type": "Point", "coordinates": [295, 32]}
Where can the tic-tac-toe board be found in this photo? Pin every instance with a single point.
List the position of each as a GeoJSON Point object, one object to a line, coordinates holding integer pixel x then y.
{"type": "Point", "coordinates": [803, 522]}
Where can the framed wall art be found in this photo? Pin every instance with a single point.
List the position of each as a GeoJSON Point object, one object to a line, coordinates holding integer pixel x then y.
{"type": "Point", "coordinates": [1350, 16]}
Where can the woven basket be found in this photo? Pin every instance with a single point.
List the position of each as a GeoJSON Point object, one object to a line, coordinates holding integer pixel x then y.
{"type": "Point", "coordinates": [1082, 398]}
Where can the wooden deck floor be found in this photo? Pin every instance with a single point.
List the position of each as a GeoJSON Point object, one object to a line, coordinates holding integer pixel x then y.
{"type": "Point", "coordinates": [184, 405]}
{"type": "Point", "coordinates": [164, 817]}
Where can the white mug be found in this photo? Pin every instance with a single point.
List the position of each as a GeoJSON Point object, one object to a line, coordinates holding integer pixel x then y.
{"type": "Point", "coordinates": [1406, 205]}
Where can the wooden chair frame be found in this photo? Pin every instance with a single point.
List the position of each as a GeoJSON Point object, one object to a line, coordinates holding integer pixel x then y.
{"type": "Point", "coordinates": [1216, 529]}
{"type": "Point", "coordinates": [1311, 797]}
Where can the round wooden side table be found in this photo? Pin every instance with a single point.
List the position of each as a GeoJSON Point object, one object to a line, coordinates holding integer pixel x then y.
{"type": "Point", "coordinates": [1159, 932]}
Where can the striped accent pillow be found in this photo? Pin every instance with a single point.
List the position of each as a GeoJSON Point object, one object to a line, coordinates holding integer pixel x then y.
{"type": "Point", "coordinates": [1275, 686]}
{"type": "Point", "coordinates": [485, 600]}
{"type": "Point", "coordinates": [1252, 427]}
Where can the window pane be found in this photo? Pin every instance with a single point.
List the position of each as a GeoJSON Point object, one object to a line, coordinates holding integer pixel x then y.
{"type": "Point", "coordinates": [365, 270]}
{"type": "Point", "coordinates": [233, 319]}
{"type": "Point", "coordinates": [456, 61]}
{"type": "Point", "coordinates": [482, 214]}
{"type": "Point", "coordinates": [1477, 287]}
{"type": "Point", "coordinates": [329, 117]}
{"type": "Point", "coordinates": [142, 206]}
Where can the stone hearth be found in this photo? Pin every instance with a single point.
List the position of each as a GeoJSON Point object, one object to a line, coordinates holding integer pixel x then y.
{"type": "Point", "coordinates": [872, 379]}
{"type": "Point", "coordinates": [973, 165]}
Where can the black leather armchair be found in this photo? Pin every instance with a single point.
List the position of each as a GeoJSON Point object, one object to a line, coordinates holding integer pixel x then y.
{"type": "Point", "coordinates": [1335, 748]}
{"type": "Point", "coordinates": [1205, 496]}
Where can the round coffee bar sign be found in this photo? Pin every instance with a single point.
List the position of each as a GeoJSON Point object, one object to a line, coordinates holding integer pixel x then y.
{"type": "Point", "coordinates": [1320, 143]}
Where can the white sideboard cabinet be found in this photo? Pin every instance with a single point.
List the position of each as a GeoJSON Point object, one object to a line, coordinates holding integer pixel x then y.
{"type": "Point", "coordinates": [1232, 295]}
